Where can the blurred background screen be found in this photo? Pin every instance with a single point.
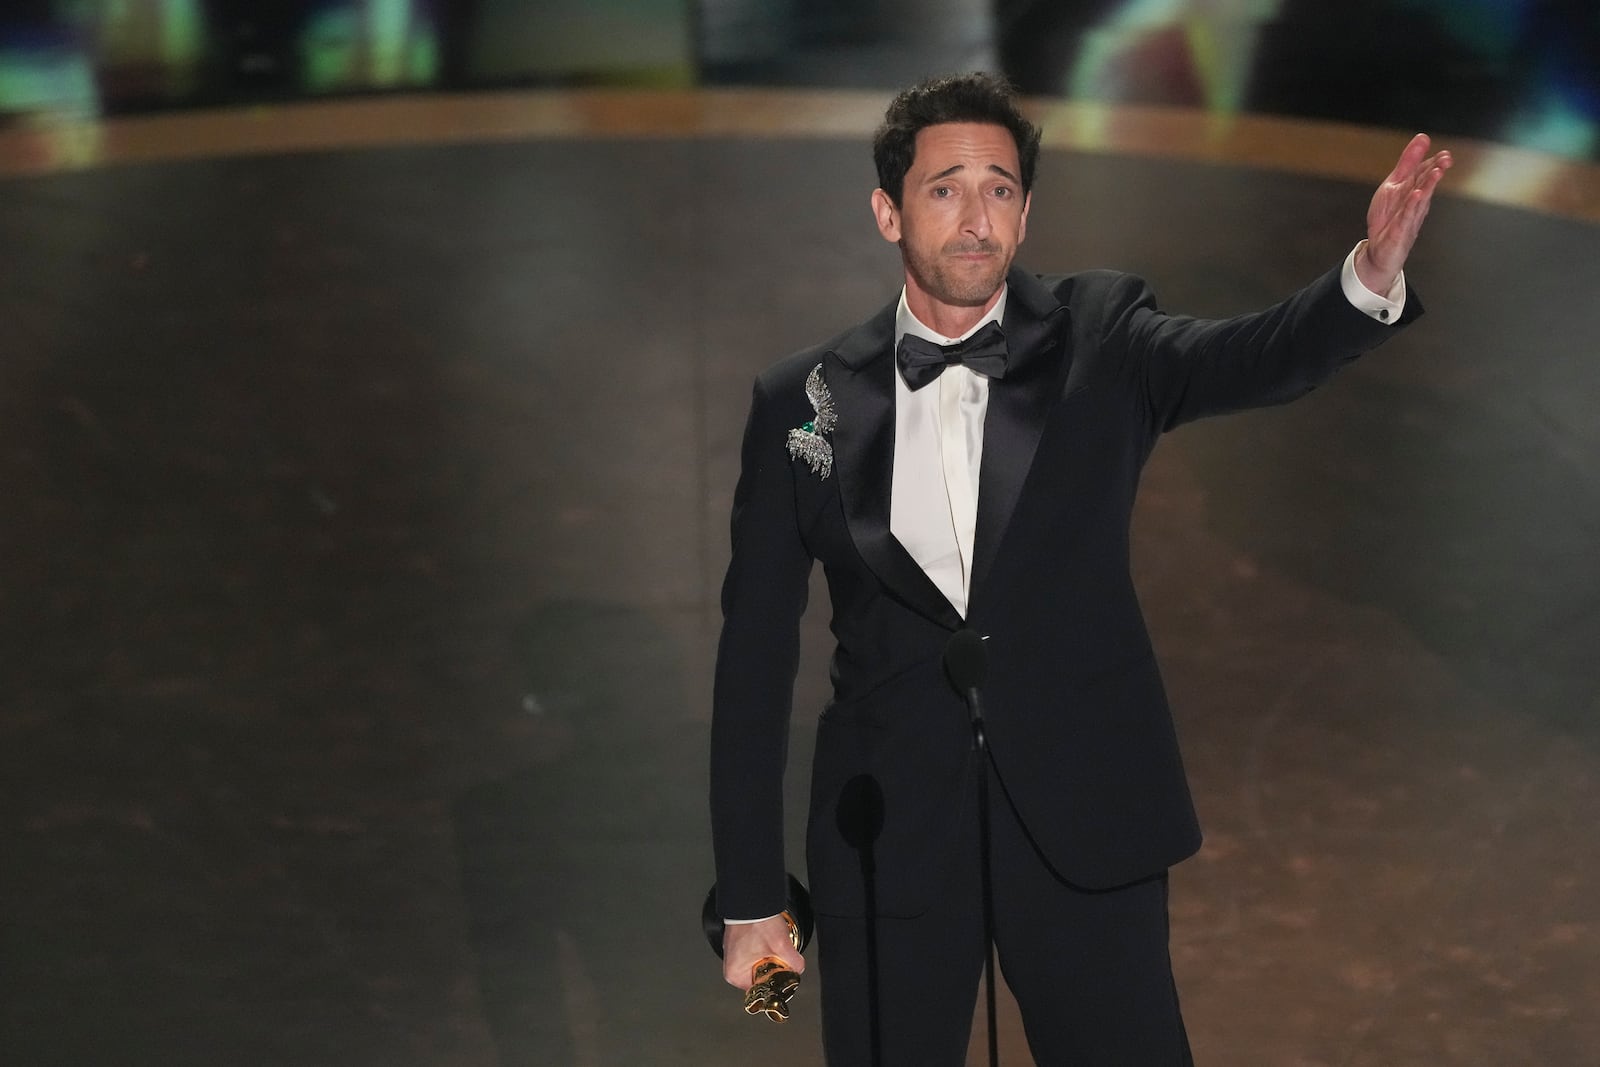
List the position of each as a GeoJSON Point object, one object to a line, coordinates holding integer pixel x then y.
{"type": "Point", "coordinates": [1520, 72]}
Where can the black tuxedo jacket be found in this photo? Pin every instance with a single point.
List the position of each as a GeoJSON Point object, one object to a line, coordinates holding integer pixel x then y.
{"type": "Point", "coordinates": [1077, 719]}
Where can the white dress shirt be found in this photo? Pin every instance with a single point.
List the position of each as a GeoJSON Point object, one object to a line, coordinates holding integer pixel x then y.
{"type": "Point", "coordinates": [938, 449]}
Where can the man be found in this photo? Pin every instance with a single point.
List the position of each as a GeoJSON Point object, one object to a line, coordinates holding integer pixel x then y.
{"type": "Point", "coordinates": [988, 486]}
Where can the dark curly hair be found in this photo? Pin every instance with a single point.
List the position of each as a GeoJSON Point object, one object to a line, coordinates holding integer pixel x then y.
{"type": "Point", "coordinates": [976, 97]}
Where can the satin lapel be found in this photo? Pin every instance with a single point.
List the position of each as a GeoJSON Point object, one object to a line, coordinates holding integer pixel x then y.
{"type": "Point", "coordinates": [1019, 404]}
{"type": "Point", "coordinates": [860, 374]}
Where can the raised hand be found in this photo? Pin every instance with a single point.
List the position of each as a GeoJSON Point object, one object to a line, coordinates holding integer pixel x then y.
{"type": "Point", "coordinates": [1395, 215]}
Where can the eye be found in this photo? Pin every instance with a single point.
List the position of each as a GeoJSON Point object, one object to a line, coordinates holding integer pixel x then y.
{"type": "Point", "coordinates": [1004, 192]}
{"type": "Point", "coordinates": [941, 192]}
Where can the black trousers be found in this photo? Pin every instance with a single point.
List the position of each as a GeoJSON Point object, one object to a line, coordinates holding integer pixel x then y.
{"type": "Point", "coordinates": [1091, 971]}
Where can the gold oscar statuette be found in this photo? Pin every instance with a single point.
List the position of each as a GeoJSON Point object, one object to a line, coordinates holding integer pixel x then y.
{"type": "Point", "coordinates": [772, 983]}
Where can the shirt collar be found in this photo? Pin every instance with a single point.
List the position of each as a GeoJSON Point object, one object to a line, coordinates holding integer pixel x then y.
{"type": "Point", "coordinates": [905, 322]}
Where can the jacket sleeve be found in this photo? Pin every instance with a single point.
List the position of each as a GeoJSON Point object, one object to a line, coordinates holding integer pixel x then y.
{"type": "Point", "coordinates": [763, 598]}
{"type": "Point", "coordinates": [1190, 367]}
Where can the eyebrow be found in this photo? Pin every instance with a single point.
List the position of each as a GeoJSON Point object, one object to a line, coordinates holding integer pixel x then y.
{"type": "Point", "coordinates": [962, 166]}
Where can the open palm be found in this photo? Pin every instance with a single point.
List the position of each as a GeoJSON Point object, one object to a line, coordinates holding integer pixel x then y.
{"type": "Point", "coordinates": [1395, 215]}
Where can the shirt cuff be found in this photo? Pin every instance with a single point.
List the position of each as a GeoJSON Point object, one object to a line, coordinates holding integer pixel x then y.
{"type": "Point", "coordinates": [747, 922]}
{"type": "Point", "coordinates": [1385, 308]}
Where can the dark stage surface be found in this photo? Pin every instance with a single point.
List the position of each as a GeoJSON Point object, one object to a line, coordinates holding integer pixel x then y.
{"type": "Point", "coordinates": [364, 518]}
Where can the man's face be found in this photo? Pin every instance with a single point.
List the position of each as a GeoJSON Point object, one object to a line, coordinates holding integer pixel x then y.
{"type": "Point", "coordinates": [962, 212]}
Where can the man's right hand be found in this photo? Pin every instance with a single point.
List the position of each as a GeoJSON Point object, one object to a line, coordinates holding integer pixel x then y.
{"type": "Point", "coordinates": [746, 944]}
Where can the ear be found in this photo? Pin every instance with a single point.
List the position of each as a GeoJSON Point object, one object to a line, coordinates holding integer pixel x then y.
{"type": "Point", "coordinates": [1022, 227]}
{"type": "Point", "coordinates": [887, 216]}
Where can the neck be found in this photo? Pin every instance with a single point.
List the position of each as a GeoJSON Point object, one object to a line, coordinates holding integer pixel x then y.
{"type": "Point", "coordinates": [950, 320]}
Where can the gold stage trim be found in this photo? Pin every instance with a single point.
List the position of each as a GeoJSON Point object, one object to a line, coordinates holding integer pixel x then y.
{"type": "Point", "coordinates": [1484, 171]}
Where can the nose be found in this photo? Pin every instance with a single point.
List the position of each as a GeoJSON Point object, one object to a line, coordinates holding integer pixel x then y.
{"type": "Point", "coordinates": [975, 219]}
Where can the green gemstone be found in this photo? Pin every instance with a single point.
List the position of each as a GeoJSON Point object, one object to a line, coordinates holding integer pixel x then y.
{"type": "Point", "coordinates": [808, 427]}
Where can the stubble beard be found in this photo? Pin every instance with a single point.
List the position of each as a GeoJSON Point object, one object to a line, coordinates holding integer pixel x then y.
{"type": "Point", "coordinates": [949, 285]}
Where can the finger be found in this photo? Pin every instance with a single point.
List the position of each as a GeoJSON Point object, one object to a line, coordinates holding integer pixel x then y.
{"type": "Point", "coordinates": [1427, 171]}
{"type": "Point", "coordinates": [1424, 186]}
{"type": "Point", "coordinates": [1410, 158]}
{"type": "Point", "coordinates": [1432, 169]}
{"type": "Point", "coordinates": [1428, 181]}
{"type": "Point", "coordinates": [791, 959]}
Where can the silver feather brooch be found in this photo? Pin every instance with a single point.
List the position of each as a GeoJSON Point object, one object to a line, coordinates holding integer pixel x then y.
{"type": "Point", "coordinates": [808, 442]}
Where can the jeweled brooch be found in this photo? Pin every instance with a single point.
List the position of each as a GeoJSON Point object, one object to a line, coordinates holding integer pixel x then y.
{"type": "Point", "coordinates": [808, 442]}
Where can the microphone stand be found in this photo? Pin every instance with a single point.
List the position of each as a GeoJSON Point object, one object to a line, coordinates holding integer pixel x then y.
{"type": "Point", "coordinates": [965, 662]}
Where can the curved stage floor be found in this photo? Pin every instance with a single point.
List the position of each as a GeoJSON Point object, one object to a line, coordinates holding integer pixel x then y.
{"type": "Point", "coordinates": [366, 507]}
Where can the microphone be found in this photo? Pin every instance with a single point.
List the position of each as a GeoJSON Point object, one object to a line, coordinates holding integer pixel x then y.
{"type": "Point", "coordinates": [966, 664]}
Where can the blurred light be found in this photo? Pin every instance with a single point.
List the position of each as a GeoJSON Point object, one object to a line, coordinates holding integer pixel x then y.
{"type": "Point", "coordinates": [52, 89]}
{"type": "Point", "coordinates": [141, 48]}
{"type": "Point", "coordinates": [376, 44]}
{"type": "Point", "coordinates": [1187, 52]}
{"type": "Point", "coordinates": [1557, 128]}
{"type": "Point", "coordinates": [56, 81]}
{"type": "Point", "coordinates": [1513, 176]}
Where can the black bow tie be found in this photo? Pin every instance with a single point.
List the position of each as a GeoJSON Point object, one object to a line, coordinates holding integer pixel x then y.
{"type": "Point", "coordinates": [922, 361]}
